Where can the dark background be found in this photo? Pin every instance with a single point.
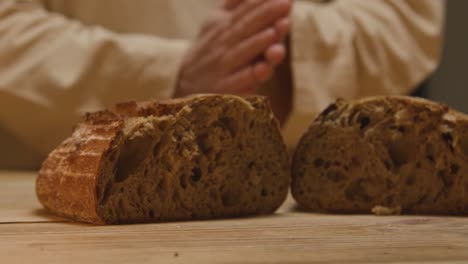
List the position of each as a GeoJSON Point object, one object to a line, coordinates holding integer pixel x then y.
{"type": "Point", "coordinates": [450, 83]}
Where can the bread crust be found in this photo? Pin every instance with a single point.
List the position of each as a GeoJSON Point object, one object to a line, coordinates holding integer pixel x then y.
{"type": "Point", "coordinates": [385, 155]}
{"type": "Point", "coordinates": [71, 182]}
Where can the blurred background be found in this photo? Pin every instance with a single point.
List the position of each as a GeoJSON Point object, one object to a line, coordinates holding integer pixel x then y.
{"type": "Point", "coordinates": [450, 83]}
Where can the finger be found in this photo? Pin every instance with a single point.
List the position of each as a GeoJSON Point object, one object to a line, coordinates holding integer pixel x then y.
{"type": "Point", "coordinates": [265, 15]}
{"type": "Point", "coordinates": [231, 4]}
{"type": "Point", "coordinates": [208, 62]}
{"type": "Point", "coordinates": [262, 71]}
{"type": "Point", "coordinates": [209, 39]}
{"type": "Point", "coordinates": [275, 54]}
{"type": "Point", "coordinates": [283, 27]}
{"type": "Point", "coordinates": [249, 49]}
{"type": "Point", "coordinates": [245, 7]}
{"type": "Point", "coordinates": [213, 20]}
{"type": "Point", "coordinates": [240, 83]}
{"type": "Point", "coordinates": [240, 11]}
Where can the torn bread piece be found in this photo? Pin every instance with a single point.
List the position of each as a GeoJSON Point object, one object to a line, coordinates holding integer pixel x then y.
{"type": "Point", "coordinates": [386, 155]}
{"type": "Point", "coordinates": [210, 156]}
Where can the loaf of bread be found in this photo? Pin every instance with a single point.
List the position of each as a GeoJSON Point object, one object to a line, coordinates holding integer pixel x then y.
{"type": "Point", "coordinates": [204, 157]}
{"type": "Point", "coordinates": [386, 155]}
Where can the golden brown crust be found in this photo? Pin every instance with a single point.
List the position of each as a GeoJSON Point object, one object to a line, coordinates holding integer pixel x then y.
{"type": "Point", "coordinates": [71, 171]}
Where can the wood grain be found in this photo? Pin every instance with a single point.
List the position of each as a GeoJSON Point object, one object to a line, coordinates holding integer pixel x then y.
{"type": "Point", "coordinates": [290, 236]}
{"type": "Point", "coordinates": [18, 202]}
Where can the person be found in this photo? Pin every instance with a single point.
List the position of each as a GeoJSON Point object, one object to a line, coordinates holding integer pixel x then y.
{"type": "Point", "coordinates": [60, 58]}
{"type": "Point", "coordinates": [53, 68]}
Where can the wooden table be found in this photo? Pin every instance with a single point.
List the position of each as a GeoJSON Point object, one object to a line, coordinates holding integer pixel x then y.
{"type": "Point", "coordinates": [28, 234]}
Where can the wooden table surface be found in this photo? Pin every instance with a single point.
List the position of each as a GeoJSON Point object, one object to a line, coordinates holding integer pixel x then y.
{"type": "Point", "coordinates": [28, 234]}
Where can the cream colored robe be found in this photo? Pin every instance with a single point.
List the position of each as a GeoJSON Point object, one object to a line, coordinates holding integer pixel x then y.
{"type": "Point", "coordinates": [60, 58]}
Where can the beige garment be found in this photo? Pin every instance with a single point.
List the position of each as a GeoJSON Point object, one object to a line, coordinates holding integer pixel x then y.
{"type": "Point", "coordinates": [59, 58]}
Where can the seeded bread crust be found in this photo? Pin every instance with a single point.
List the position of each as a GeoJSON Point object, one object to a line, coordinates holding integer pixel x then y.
{"type": "Point", "coordinates": [386, 155]}
{"type": "Point", "coordinates": [203, 157]}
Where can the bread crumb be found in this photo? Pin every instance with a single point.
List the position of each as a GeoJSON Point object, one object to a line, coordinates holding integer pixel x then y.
{"type": "Point", "coordinates": [382, 210]}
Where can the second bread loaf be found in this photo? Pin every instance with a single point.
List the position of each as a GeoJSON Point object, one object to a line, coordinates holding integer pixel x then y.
{"type": "Point", "coordinates": [387, 155]}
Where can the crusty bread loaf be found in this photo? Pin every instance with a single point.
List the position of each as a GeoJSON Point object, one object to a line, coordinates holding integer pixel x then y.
{"type": "Point", "coordinates": [204, 157]}
{"type": "Point", "coordinates": [387, 155]}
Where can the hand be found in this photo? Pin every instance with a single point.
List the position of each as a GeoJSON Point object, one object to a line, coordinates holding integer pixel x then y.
{"type": "Point", "coordinates": [237, 49]}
